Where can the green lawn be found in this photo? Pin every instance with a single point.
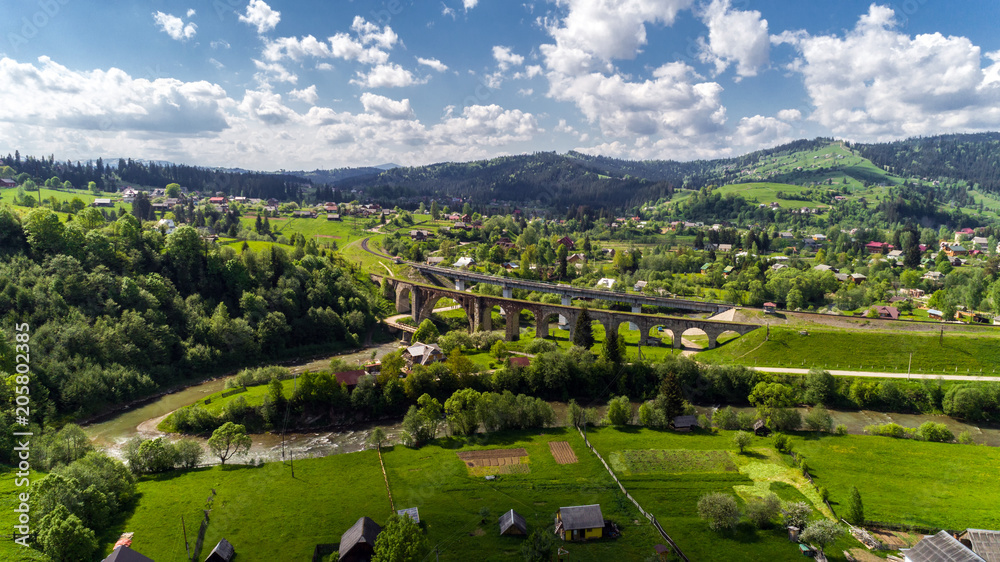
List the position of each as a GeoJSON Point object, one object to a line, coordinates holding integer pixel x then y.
{"type": "Point", "coordinates": [268, 515]}
{"type": "Point", "coordinates": [909, 482]}
{"type": "Point", "coordinates": [263, 511]}
{"type": "Point", "coordinates": [867, 350]}
{"type": "Point", "coordinates": [667, 472]}
{"type": "Point", "coordinates": [8, 502]}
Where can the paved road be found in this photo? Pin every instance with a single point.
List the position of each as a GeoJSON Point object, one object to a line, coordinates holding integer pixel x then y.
{"type": "Point", "coordinates": [841, 373]}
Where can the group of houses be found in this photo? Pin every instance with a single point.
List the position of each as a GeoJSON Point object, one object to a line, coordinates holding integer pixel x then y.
{"type": "Point", "coordinates": [574, 523]}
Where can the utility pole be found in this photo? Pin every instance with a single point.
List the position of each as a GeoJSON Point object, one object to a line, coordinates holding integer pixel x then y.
{"type": "Point", "coordinates": [908, 365]}
{"type": "Point", "coordinates": [187, 547]}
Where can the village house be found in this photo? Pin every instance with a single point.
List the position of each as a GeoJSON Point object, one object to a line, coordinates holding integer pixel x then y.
{"type": "Point", "coordinates": [351, 378]}
{"type": "Point", "coordinates": [436, 260]}
{"type": "Point", "coordinates": [304, 214]}
{"type": "Point", "coordinates": [101, 202]}
{"type": "Point", "coordinates": [639, 286]}
{"type": "Point", "coordinates": [332, 217]}
{"type": "Point", "coordinates": [419, 235]}
{"type": "Point", "coordinates": [878, 247]}
{"type": "Point", "coordinates": [685, 423]}
{"type": "Point", "coordinates": [581, 522]}
{"type": "Point", "coordinates": [953, 250]}
{"type": "Point", "coordinates": [858, 278]}
{"type": "Point", "coordinates": [576, 259]}
{"type": "Point", "coordinates": [984, 543]}
{"type": "Point", "coordinates": [886, 312]}
{"type": "Point", "coordinates": [566, 241]}
{"type": "Point", "coordinates": [465, 262]}
{"type": "Point", "coordinates": [770, 308]}
{"type": "Point", "coordinates": [7, 183]}
{"type": "Point", "coordinates": [124, 553]}
{"type": "Point", "coordinates": [422, 354]}
{"type": "Point", "coordinates": [606, 282]}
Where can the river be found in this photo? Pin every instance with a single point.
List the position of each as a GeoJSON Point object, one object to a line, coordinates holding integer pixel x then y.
{"type": "Point", "coordinates": [111, 434]}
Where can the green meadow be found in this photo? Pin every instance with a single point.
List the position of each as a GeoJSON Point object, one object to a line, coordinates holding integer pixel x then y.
{"type": "Point", "coordinates": [869, 350]}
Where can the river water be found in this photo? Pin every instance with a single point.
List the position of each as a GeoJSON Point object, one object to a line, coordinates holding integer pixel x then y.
{"type": "Point", "coordinates": [110, 435]}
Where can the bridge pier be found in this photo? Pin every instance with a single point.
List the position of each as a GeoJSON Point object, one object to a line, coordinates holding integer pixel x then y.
{"type": "Point", "coordinates": [508, 292]}
{"type": "Point", "coordinates": [541, 324]}
{"type": "Point", "coordinates": [678, 339]}
{"type": "Point", "coordinates": [482, 317]}
{"type": "Point", "coordinates": [513, 324]}
{"type": "Point", "coordinates": [460, 285]}
{"type": "Point", "coordinates": [563, 322]}
{"type": "Point", "coordinates": [712, 338]}
{"type": "Point", "coordinates": [416, 304]}
{"type": "Point", "coordinates": [636, 309]}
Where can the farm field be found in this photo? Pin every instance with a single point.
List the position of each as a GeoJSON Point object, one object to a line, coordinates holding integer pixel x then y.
{"type": "Point", "coordinates": [7, 196]}
{"type": "Point", "coordinates": [667, 472]}
{"type": "Point", "coordinates": [869, 350]}
{"type": "Point", "coordinates": [433, 478]}
{"type": "Point", "coordinates": [909, 482]}
{"type": "Point", "coordinates": [767, 193]}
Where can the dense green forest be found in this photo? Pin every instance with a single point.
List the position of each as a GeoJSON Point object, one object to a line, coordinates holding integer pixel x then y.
{"type": "Point", "coordinates": [110, 178]}
{"type": "Point", "coordinates": [974, 158]}
{"type": "Point", "coordinates": [117, 312]}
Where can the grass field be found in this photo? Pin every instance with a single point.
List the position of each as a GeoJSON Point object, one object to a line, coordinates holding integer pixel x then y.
{"type": "Point", "coordinates": [671, 471]}
{"type": "Point", "coordinates": [909, 482]}
{"type": "Point", "coordinates": [8, 502]}
{"type": "Point", "coordinates": [7, 196]}
{"type": "Point", "coordinates": [863, 350]}
{"type": "Point", "coordinates": [763, 192]}
{"type": "Point", "coordinates": [268, 515]}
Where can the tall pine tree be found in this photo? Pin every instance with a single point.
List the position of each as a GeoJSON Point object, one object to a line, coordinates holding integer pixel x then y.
{"type": "Point", "coordinates": [583, 332]}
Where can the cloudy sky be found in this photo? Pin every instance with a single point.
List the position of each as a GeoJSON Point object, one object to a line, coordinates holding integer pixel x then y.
{"type": "Point", "coordinates": [277, 84]}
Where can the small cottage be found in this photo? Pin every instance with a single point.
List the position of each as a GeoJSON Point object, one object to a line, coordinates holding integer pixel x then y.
{"type": "Point", "coordinates": [357, 544]}
{"type": "Point", "coordinates": [581, 522]}
{"type": "Point", "coordinates": [511, 523]}
{"type": "Point", "coordinates": [760, 429]}
{"type": "Point", "coordinates": [685, 423]}
{"type": "Point", "coordinates": [223, 552]}
{"type": "Point", "coordinates": [770, 308]}
{"type": "Point", "coordinates": [941, 547]}
{"type": "Point", "coordinates": [126, 554]}
{"type": "Point", "coordinates": [423, 354]}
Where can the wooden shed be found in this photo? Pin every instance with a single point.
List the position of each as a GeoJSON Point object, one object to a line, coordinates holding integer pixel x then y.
{"type": "Point", "coordinates": [760, 429]}
{"type": "Point", "coordinates": [357, 544]}
{"type": "Point", "coordinates": [223, 552]}
{"type": "Point", "coordinates": [511, 523]}
{"type": "Point", "coordinates": [685, 423]}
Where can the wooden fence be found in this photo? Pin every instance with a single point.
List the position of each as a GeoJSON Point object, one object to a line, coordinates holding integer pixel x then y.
{"type": "Point", "coordinates": [646, 514]}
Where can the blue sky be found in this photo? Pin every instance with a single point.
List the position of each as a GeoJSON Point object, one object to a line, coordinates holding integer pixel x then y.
{"type": "Point", "coordinates": [273, 84]}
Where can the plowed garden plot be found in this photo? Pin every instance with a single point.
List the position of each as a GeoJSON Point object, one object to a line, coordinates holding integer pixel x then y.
{"type": "Point", "coordinates": [645, 461]}
{"type": "Point", "coordinates": [495, 461]}
{"type": "Point", "coordinates": [562, 452]}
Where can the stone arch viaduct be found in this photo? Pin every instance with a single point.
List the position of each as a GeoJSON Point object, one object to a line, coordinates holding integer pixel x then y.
{"type": "Point", "coordinates": [419, 300]}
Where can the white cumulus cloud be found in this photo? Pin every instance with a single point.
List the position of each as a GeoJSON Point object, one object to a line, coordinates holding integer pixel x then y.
{"type": "Point", "coordinates": [261, 16]}
{"type": "Point", "coordinates": [735, 37]}
{"type": "Point", "coordinates": [389, 75]}
{"type": "Point", "coordinates": [385, 107]}
{"type": "Point", "coordinates": [433, 63]}
{"type": "Point", "coordinates": [874, 82]}
{"type": "Point", "coordinates": [175, 26]}
{"type": "Point", "coordinates": [469, 4]}
{"type": "Point", "coordinates": [307, 95]}
{"type": "Point", "coordinates": [506, 58]}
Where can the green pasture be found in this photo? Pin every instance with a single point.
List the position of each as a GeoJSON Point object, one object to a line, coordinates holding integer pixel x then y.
{"type": "Point", "coordinates": [909, 482]}
{"type": "Point", "coordinates": [867, 350]}
{"type": "Point", "coordinates": [667, 472]}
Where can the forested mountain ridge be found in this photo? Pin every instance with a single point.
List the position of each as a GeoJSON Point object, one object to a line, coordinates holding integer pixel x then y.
{"type": "Point", "coordinates": [974, 158]}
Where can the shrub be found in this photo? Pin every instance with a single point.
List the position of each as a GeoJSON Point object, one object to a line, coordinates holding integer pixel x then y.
{"type": "Point", "coordinates": [819, 419]}
{"type": "Point", "coordinates": [538, 345]}
{"type": "Point", "coordinates": [761, 511]}
{"type": "Point", "coordinates": [720, 510]}
{"type": "Point", "coordinates": [933, 431]}
{"type": "Point", "coordinates": [786, 419]}
{"type": "Point", "coordinates": [782, 443]}
{"type": "Point", "coordinates": [189, 453]}
{"type": "Point", "coordinates": [965, 438]}
{"type": "Point", "coordinates": [745, 421]}
{"type": "Point", "coordinates": [253, 377]}
{"type": "Point", "coordinates": [840, 430]}
{"type": "Point", "coordinates": [886, 430]}
{"type": "Point", "coordinates": [650, 416]}
{"type": "Point", "coordinates": [619, 411]}
{"type": "Point", "coordinates": [453, 340]}
{"type": "Point", "coordinates": [725, 418]}
{"type": "Point", "coordinates": [742, 440]}
{"type": "Point", "coordinates": [796, 514]}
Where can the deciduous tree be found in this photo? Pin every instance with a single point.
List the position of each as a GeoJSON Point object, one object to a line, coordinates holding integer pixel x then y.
{"type": "Point", "coordinates": [229, 440]}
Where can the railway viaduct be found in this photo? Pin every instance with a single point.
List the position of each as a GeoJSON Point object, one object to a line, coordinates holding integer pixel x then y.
{"type": "Point", "coordinates": [420, 300]}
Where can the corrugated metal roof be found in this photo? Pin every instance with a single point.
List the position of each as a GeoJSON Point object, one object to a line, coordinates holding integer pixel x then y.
{"type": "Point", "coordinates": [985, 543]}
{"type": "Point", "coordinates": [411, 512]}
{"type": "Point", "coordinates": [941, 547]}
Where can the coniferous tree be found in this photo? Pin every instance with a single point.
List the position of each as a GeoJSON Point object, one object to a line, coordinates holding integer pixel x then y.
{"type": "Point", "coordinates": [855, 509]}
{"type": "Point", "coordinates": [671, 399]}
{"type": "Point", "coordinates": [583, 332]}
